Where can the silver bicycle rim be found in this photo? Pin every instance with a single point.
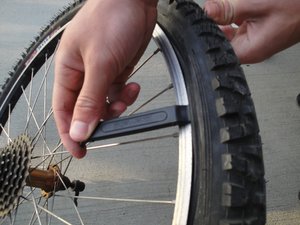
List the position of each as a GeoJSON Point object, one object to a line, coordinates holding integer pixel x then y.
{"type": "Point", "coordinates": [185, 144]}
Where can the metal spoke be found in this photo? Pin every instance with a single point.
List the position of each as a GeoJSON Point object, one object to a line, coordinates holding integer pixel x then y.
{"type": "Point", "coordinates": [43, 80]}
{"type": "Point", "coordinates": [47, 157]}
{"type": "Point", "coordinates": [93, 148]}
{"type": "Point", "coordinates": [132, 142]}
{"type": "Point", "coordinates": [16, 212]}
{"type": "Point", "coordinates": [49, 212]}
{"type": "Point", "coordinates": [45, 106]}
{"type": "Point", "coordinates": [36, 97]}
{"type": "Point", "coordinates": [75, 207]}
{"type": "Point", "coordinates": [147, 60]}
{"type": "Point", "coordinates": [67, 166]}
{"type": "Point", "coordinates": [9, 123]}
{"type": "Point", "coordinates": [3, 220]}
{"type": "Point", "coordinates": [34, 218]}
{"type": "Point", "coordinates": [38, 133]}
{"type": "Point", "coordinates": [25, 198]}
{"type": "Point", "coordinates": [170, 86]}
{"type": "Point", "coordinates": [50, 154]}
{"type": "Point", "coordinates": [58, 146]}
{"type": "Point", "coordinates": [171, 202]}
{"type": "Point", "coordinates": [55, 216]}
{"type": "Point", "coordinates": [35, 121]}
{"type": "Point", "coordinates": [5, 132]}
{"type": "Point", "coordinates": [36, 208]}
{"type": "Point", "coordinates": [62, 160]}
{"type": "Point", "coordinates": [52, 208]}
{"type": "Point", "coordinates": [29, 99]}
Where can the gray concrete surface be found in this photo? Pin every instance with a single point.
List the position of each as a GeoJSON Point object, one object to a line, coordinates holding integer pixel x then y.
{"type": "Point", "coordinates": [275, 84]}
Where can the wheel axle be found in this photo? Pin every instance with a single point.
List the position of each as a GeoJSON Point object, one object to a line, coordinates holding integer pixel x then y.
{"type": "Point", "coordinates": [51, 181]}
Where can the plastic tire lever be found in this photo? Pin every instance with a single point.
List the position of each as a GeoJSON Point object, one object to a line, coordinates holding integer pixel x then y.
{"type": "Point", "coordinates": [141, 122]}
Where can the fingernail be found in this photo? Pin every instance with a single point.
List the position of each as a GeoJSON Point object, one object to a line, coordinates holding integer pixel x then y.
{"type": "Point", "coordinates": [212, 9]}
{"type": "Point", "coordinates": [79, 130]}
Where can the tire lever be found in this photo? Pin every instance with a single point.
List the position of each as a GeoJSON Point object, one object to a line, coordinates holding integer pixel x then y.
{"type": "Point", "coordinates": [141, 122]}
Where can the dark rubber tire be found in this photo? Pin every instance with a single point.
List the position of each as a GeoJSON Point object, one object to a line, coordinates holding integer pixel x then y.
{"type": "Point", "coordinates": [228, 177]}
{"type": "Point", "coordinates": [228, 186]}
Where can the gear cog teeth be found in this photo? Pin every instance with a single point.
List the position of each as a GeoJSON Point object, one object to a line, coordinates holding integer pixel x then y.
{"type": "Point", "coordinates": [14, 164]}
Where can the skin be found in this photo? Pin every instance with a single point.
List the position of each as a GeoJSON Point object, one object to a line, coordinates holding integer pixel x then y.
{"type": "Point", "coordinates": [265, 27]}
{"type": "Point", "coordinates": [97, 52]}
{"type": "Point", "coordinates": [104, 41]}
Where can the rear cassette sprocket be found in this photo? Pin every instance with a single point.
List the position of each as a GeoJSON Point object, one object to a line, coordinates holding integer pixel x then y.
{"type": "Point", "coordinates": [14, 169]}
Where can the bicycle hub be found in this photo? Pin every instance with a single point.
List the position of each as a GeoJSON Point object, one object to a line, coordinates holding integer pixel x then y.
{"type": "Point", "coordinates": [16, 173]}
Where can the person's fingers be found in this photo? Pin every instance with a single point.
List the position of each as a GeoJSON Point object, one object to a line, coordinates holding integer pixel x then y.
{"type": "Point", "coordinates": [130, 93]}
{"type": "Point", "coordinates": [68, 84]}
{"type": "Point", "coordinates": [249, 38]}
{"type": "Point", "coordinates": [229, 31]}
{"type": "Point", "coordinates": [95, 64]}
{"type": "Point", "coordinates": [115, 109]}
{"type": "Point", "coordinates": [222, 12]}
{"type": "Point", "coordinates": [225, 12]}
{"type": "Point", "coordinates": [90, 105]}
{"type": "Point", "coordinates": [76, 149]}
{"type": "Point", "coordinates": [119, 99]}
{"type": "Point", "coordinates": [126, 93]}
{"type": "Point", "coordinates": [264, 27]}
{"type": "Point", "coordinates": [63, 107]}
{"type": "Point", "coordinates": [253, 43]}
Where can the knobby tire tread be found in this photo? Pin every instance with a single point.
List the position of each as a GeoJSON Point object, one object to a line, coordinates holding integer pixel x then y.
{"type": "Point", "coordinates": [243, 186]}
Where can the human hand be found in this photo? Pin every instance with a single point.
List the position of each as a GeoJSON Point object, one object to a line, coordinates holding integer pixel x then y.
{"type": "Point", "coordinates": [97, 52]}
{"type": "Point", "coordinates": [265, 27]}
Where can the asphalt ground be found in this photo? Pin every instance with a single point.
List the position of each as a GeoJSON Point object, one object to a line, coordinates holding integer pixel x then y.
{"type": "Point", "coordinates": [274, 83]}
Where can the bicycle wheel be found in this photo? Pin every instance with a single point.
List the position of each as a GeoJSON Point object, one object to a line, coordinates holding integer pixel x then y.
{"type": "Point", "coordinates": [205, 167]}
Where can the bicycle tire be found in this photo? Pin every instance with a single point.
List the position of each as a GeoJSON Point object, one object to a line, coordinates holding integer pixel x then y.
{"type": "Point", "coordinates": [228, 177]}
{"type": "Point", "coordinates": [228, 186]}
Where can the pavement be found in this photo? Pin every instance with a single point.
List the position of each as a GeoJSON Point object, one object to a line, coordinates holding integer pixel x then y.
{"type": "Point", "coordinates": [274, 83]}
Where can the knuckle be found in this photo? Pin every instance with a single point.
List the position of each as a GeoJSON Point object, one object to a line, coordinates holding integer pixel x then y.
{"type": "Point", "coordinates": [86, 104]}
{"type": "Point", "coordinates": [229, 12]}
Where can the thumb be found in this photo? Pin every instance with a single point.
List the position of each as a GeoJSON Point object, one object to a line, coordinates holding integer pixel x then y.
{"type": "Point", "coordinates": [225, 12]}
{"type": "Point", "coordinates": [90, 106]}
